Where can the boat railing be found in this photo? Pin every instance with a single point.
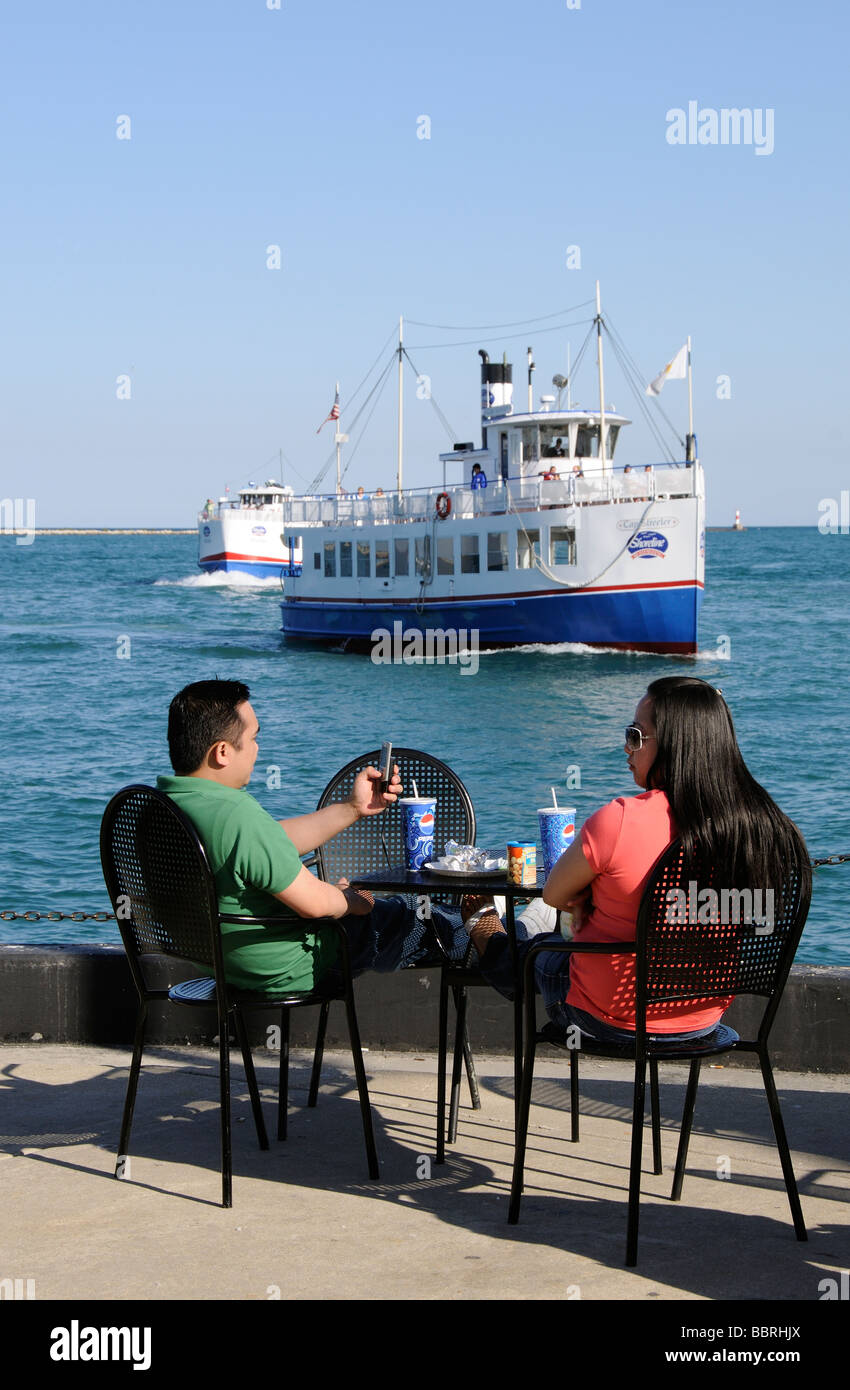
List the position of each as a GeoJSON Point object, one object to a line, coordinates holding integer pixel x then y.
{"type": "Point", "coordinates": [214, 511]}
{"type": "Point", "coordinates": [592, 486]}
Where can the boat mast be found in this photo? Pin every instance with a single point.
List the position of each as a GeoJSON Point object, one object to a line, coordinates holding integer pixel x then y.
{"type": "Point", "coordinates": [338, 442]}
{"type": "Point", "coordinates": [569, 407]}
{"type": "Point", "coordinates": [601, 378]}
{"type": "Point", "coordinates": [690, 447]}
{"type": "Point", "coordinates": [400, 402]}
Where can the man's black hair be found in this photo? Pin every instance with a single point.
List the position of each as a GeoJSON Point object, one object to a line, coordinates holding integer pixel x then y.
{"type": "Point", "coordinates": [199, 716]}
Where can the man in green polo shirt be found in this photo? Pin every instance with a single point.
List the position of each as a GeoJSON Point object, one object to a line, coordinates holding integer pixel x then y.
{"type": "Point", "coordinates": [212, 743]}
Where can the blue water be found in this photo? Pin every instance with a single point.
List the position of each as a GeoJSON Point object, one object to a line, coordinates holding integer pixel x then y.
{"type": "Point", "coordinates": [82, 721]}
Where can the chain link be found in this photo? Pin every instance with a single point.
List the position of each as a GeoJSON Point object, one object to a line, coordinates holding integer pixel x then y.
{"type": "Point", "coordinates": [9, 916]}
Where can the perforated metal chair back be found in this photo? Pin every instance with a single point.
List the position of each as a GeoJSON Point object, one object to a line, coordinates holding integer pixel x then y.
{"type": "Point", "coordinates": [376, 842]}
{"type": "Point", "coordinates": [697, 939]}
{"type": "Point", "coordinates": [158, 876]}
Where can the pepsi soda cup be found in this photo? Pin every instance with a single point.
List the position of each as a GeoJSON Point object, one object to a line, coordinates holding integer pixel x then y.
{"type": "Point", "coordinates": [557, 832]}
{"type": "Point", "coordinates": [418, 829]}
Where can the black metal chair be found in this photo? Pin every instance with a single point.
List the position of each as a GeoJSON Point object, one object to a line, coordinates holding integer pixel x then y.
{"type": "Point", "coordinates": [677, 961]}
{"type": "Point", "coordinates": [163, 893]}
{"type": "Point", "coordinates": [376, 842]}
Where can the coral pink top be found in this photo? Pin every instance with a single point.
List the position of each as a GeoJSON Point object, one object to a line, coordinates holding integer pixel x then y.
{"type": "Point", "coordinates": [621, 842]}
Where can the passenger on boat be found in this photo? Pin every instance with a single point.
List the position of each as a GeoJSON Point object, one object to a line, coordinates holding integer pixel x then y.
{"type": "Point", "coordinates": [682, 751]}
{"type": "Point", "coordinates": [551, 475]}
{"type": "Point", "coordinates": [479, 477]}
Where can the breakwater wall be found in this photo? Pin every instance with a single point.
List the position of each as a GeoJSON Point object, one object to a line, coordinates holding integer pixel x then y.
{"type": "Point", "coordinates": [85, 994]}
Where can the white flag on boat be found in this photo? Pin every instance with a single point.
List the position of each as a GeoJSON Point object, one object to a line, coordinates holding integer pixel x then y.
{"type": "Point", "coordinates": [677, 367]}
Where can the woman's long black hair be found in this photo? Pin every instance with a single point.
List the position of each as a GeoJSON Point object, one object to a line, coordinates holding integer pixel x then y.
{"type": "Point", "coordinates": [719, 809]}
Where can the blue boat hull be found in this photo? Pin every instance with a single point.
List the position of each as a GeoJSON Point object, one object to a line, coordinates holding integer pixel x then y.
{"type": "Point", "coordinates": [658, 618]}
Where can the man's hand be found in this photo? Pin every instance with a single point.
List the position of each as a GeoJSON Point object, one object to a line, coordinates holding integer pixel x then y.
{"type": "Point", "coordinates": [367, 798]}
{"type": "Point", "coordinates": [360, 903]}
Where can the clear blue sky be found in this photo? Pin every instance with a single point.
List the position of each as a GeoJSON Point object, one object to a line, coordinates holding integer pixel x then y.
{"type": "Point", "coordinates": [253, 126]}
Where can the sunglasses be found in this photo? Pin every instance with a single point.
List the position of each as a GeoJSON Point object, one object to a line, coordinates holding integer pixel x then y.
{"type": "Point", "coordinates": [636, 738]}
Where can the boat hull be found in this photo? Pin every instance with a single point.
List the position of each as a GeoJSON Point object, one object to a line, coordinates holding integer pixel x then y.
{"type": "Point", "coordinates": [659, 618]}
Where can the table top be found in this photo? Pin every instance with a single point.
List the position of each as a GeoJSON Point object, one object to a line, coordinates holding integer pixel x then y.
{"type": "Point", "coordinates": [403, 880]}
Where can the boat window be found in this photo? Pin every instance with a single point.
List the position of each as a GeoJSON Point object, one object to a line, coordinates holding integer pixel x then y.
{"type": "Point", "coordinates": [364, 559]}
{"type": "Point", "coordinates": [530, 444]}
{"type": "Point", "coordinates": [527, 546]}
{"type": "Point", "coordinates": [587, 443]}
{"type": "Point", "coordinates": [469, 560]}
{"type": "Point", "coordinates": [330, 560]}
{"type": "Point", "coordinates": [554, 442]}
{"type": "Point", "coordinates": [613, 432]}
{"type": "Point", "coordinates": [562, 545]}
{"type": "Point", "coordinates": [402, 557]}
{"type": "Point", "coordinates": [423, 557]}
{"type": "Point", "coordinates": [345, 559]}
{"type": "Point", "coordinates": [382, 559]}
{"type": "Point", "coordinates": [445, 555]}
{"type": "Point", "coordinates": [497, 550]}
{"type": "Point", "coordinates": [317, 560]}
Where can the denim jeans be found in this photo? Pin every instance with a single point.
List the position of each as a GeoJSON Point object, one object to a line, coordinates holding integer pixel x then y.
{"type": "Point", "coordinates": [396, 934]}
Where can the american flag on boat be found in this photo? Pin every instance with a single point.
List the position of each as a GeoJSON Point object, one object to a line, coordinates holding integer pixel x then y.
{"type": "Point", "coordinates": [334, 415]}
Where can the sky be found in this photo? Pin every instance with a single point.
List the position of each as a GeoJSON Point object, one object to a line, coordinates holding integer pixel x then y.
{"type": "Point", "coordinates": [432, 160]}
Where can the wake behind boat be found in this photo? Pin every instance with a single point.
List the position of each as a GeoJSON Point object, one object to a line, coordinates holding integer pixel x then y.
{"type": "Point", "coordinates": [534, 536]}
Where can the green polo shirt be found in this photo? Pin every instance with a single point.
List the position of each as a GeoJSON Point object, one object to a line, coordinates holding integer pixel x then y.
{"type": "Point", "coordinates": [252, 856]}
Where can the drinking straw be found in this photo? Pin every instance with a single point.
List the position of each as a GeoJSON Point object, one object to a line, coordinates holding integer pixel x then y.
{"type": "Point", "coordinates": [554, 799]}
{"type": "Point", "coordinates": [415, 790]}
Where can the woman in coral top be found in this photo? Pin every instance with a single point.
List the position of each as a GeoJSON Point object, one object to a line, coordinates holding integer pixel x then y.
{"type": "Point", "coordinates": [681, 749]}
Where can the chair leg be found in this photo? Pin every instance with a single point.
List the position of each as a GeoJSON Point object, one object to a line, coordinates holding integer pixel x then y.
{"type": "Point", "coordinates": [283, 1077]}
{"type": "Point", "coordinates": [782, 1146]}
{"type": "Point", "coordinates": [250, 1076]}
{"type": "Point", "coordinates": [574, 1098]}
{"type": "Point", "coordinates": [685, 1132]}
{"type": "Point", "coordinates": [461, 1000]}
{"type": "Point", "coordinates": [319, 1053]}
{"type": "Point", "coordinates": [471, 1074]}
{"type": "Point", "coordinates": [362, 1088]}
{"type": "Point", "coordinates": [442, 1050]}
{"type": "Point", "coordinates": [655, 1111]}
{"type": "Point", "coordinates": [224, 1092]}
{"type": "Point", "coordinates": [522, 1113]}
{"type": "Point", "coordinates": [635, 1167]}
{"type": "Point", "coordinates": [132, 1086]}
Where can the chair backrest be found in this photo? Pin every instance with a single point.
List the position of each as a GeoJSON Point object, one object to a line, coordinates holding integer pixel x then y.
{"type": "Point", "coordinates": [159, 880]}
{"type": "Point", "coordinates": [376, 842]}
{"type": "Point", "coordinates": [700, 940]}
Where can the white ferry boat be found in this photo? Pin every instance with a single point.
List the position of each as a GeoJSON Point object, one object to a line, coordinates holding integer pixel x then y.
{"type": "Point", "coordinates": [243, 533]}
{"type": "Point", "coordinates": [534, 536]}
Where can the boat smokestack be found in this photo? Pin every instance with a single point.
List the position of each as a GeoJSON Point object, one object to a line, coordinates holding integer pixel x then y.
{"type": "Point", "coordinates": [496, 384]}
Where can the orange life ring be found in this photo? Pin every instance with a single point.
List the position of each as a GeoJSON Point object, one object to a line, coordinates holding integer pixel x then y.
{"type": "Point", "coordinates": [443, 505]}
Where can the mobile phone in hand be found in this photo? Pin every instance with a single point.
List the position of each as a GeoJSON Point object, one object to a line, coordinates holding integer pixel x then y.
{"type": "Point", "coordinates": [386, 765]}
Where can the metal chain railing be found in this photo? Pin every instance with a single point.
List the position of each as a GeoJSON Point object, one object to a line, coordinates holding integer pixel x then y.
{"type": "Point", "coordinates": [8, 915]}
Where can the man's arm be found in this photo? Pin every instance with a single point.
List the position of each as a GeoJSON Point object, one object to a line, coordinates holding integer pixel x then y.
{"type": "Point", "coordinates": [310, 897]}
{"type": "Point", "coordinates": [367, 799]}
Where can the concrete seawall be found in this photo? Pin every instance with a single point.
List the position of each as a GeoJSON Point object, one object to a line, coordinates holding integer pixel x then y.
{"type": "Point", "coordinates": [85, 994]}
